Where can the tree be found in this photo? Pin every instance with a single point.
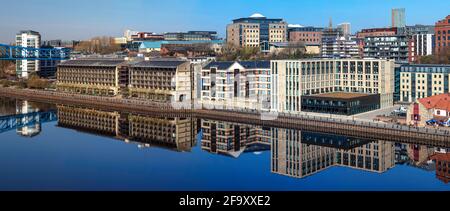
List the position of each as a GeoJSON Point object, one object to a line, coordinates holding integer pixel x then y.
{"type": "Point", "coordinates": [6, 68]}
{"type": "Point", "coordinates": [34, 82]}
{"type": "Point", "coordinates": [99, 45]}
{"type": "Point", "coordinates": [442, 58]}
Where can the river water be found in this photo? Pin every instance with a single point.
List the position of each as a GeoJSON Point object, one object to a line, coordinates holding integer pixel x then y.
{"type": "Point", "coordinates": [63, 147]}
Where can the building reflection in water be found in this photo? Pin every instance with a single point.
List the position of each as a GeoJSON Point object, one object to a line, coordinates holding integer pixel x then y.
{"type": "Point", "coordinates": [146, 131]}
{"type": "Point", "coordinates": [297, 153]}
{"type": "Point", "coordinates": [29, 130]}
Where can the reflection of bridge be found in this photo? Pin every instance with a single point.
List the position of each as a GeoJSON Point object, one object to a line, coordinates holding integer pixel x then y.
{"type": "Point", "coordinates": [12, 122]}
{"type": "Point", "coordinates": [8, 52]}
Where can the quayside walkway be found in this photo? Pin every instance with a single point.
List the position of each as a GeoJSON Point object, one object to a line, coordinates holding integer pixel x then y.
{"type": "Point", "coordinates": [355, 128]}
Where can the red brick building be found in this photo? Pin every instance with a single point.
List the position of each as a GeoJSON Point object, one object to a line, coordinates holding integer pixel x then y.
{"type": "Point", "coordinates": [442, 34]}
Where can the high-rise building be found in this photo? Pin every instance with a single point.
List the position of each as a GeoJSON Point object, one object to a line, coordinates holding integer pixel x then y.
{"type": "Point", "coordinates": [360, 36]}
{"type": "Point", "coordinates": [442, 34]}
{"type": "Point", "coordinates": [422, 45]}
{"type": "Point", "coordinates": [345, 28]}
{"type": "Point", "coordinates": [28, 39]}
{"type": "Point", "coordinates": [256, 31]}
{"type": "Point", "coordinates": [398, 17]}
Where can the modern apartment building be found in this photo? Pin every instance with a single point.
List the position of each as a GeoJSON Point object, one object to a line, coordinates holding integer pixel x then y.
{"type": "Point", "coordinates": [421, 45]}
{"type": "Point", "coordinates": [295, 80]}
{"type": "Point", "coordinates": [395, 47]}
{"type": "Point", "coordinates": [372, 32]}
{"type": "Point", "coordinates": [243, 84]}
{"type": "Point", "coordinates": [308, 35]}
{"type": "Point", "coordinates": [442, 34]}
{"type": "Point", "coordinates": [28, 39]}
{"type": "Point", "coordinates": [256, 31]}
{"type": "Point", "coordinates": [336, 45]}
{"type": "Point", "coordinates": [398, 17]}
{"type": "Point", "coordinates": [422, 80]}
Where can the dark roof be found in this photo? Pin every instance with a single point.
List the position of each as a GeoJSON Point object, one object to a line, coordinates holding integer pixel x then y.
{"type": "Point", "coordinates": [160, 64]}
{"type": "Point", "coordinates": [223, 65]}
{"type": "Point", "coordinates": [219, 65]}
{"type": "Point", "coordinates": [92, 62]}
{"type": "Point", "coordinates": [255, 64]}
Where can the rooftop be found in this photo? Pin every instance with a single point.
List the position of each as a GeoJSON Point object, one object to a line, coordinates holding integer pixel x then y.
{"type": "Point", "coordinates": [160, 63]}
{"type": "Point", "coordinates": [341, 95]}
{"type": "Point", "coordinates": [441, 101]}
{"type": "Point", "coordinates": [93, 62]}
{"type": "Point", "coordinates": [223, 65]}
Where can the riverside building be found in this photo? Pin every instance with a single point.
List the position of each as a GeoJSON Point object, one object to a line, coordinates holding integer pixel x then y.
{"type": "Point", "coordinates": [295, 83]}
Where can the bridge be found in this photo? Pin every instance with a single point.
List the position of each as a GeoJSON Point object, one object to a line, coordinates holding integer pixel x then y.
{"type": "Point", "coordinates": [8, 52]}
{"type": "Point", "coordinates": [15, 121]}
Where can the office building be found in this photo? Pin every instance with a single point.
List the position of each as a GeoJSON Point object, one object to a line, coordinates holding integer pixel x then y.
{"type": "Point", "coordinates": [256, 31]}
{"type": "Point", "coordinates": [146, 36]}
{"type": "Point", "coordinates": [243, 84]}
{"type": "Point", "coordinates": [308, 35]}
{"type": "Point", "coordinates": [416, 29]}
{"type": "Point", "coordinates": [191, 35]}
{"type": "Point", "coordinates": [292, 80]}
{"type": "Point", "coordinates": [395, 47]}
{"type": "Point", "coordinates": [128, 34]}
{"type": "Point", "coordinates": [28, 39]}
{"type": "Point", "coordinates": [398, 17]}
{"type": "Point", "coordinates": [422, 80]}
{"type": "Point", "coordinates": [442, 34]}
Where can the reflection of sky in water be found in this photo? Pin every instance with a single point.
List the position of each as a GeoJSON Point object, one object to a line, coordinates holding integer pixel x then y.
{"type": "Point", "coordinates": [60, 158]}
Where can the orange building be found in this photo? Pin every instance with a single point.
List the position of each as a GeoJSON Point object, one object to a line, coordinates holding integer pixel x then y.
{"type": "Point", "coordinates": [442, 34]}
{"type": "Point", "coordinates": [442, 166]}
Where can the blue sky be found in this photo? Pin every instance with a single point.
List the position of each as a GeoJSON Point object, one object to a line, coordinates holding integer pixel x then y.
{"type": "Point", "coordinates": [82, 19]}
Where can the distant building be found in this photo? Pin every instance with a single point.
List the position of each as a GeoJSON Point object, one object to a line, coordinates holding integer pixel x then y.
{"type": "Point", "coordinates": [416, 29]}
{"type": "Point", "coordinates": [420, 81]}
{"type": "Point", "coordinates": [372, 32]}
{"type": "Point", "coordinates": [147, 36]}
{"type": "Point", "coordinates": [308, 35]}
{"type": "Point", "coordinates": [28, 39]}
{"type": "Point", "coordinates": [442, 34]}
{"type": "Point", "coordinates": [398, 17]}
{"type": "Point", "coordinates": [396, 47]}
{"type": "Point", "coordinates": [128, 34]}
{"type": "Point", "coordinates": [191, 35]}
{"type": "Point", "coordinates": [120, 40]}
{"type": "Point", "coordinates": [335, 45]}
{"type": "Point", "coordinates": [421, 45]}
{"type": "Point", "coordinates": [345, 28]}
{"type": "Point", "coordinates": [256, 31]}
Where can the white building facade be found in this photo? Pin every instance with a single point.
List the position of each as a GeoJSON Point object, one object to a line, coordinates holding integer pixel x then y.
{"type": "Point", "coordinates": [27, 39]}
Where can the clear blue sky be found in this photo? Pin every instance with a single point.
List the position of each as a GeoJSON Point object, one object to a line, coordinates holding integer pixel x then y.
{"type": "Point", "coordinates": [82, 19]}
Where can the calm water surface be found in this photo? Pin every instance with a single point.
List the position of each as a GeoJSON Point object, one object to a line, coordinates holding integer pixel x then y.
{"type": "Point", "coordinates": [61, 147]}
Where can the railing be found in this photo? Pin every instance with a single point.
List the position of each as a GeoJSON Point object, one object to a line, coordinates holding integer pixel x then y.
{"type": "Point", "coordinates": [8, 52]}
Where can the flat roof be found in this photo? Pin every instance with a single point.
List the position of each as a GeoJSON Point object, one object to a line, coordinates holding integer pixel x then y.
{"type": "Point", "coordinates": [340, 95]}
